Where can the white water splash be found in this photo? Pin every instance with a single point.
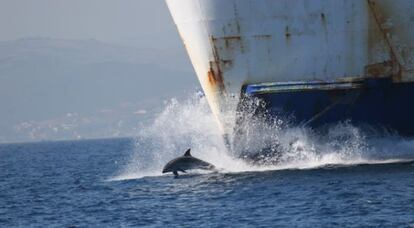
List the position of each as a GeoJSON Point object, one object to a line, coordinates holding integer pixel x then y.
{"type": "Point", "coordinates": [190, 124]}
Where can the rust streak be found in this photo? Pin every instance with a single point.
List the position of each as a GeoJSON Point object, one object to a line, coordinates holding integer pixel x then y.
{"type": "Point", "coordinates": [236, 16]}
{"type": "Point", "coordinates": [231, 38]}
{"type": "Point", "coordinates": [215, 74]}
{"type": "Point", "coordinates": [379, 19]}
{"type": "Point", "coordinates": [323, 17]}
{"type": "Point", "coordinates": [377, 70]}
{"type": "Point", "coordinates": [238, 26]}
{"type": "Point", "coordinates": [287, 33]}
{"type": "Point", "coordinates": [226, 38]}
{"type": "Point", "coordinates": [211, 77]}
{"type": "Point", "coordinates": [227, 61]}
{"type": "Point", "coordinates": [215, 77]}
{"type": "Point", "coordinates": [263, 36]}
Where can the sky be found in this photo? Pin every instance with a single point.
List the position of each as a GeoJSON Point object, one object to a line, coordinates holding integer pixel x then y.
{"type": "Point", "coordinates": [74, 69]}
{"type": "Point", "coordinates": [139, 23]}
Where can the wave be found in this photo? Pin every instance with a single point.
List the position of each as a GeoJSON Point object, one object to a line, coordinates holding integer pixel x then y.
{"type": "Point", "coordinates": [190, 124]}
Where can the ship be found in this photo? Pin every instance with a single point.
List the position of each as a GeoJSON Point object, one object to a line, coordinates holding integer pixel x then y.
{"type": "Point", "coordinates": [314, 62]}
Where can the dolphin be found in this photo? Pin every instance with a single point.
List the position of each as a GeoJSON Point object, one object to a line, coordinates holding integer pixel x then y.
{"type": "Point", "coordinates": [186, 162]}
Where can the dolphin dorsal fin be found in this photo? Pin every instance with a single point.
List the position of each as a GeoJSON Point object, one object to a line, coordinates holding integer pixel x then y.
{"type": "Point", "coordinates": [187, 153]}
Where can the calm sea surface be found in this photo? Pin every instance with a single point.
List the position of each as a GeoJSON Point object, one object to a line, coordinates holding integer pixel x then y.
{"type": "Point", "coordinates": [72, 184]}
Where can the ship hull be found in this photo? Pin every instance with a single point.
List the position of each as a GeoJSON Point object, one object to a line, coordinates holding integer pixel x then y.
{"type": "Point", "coordinates": [378, 104]}
{"type": "Point", "coordinates": [319, 62]}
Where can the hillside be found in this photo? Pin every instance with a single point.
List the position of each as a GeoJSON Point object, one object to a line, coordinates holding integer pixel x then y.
{"type": "Point", "coordinates": [45, 79]}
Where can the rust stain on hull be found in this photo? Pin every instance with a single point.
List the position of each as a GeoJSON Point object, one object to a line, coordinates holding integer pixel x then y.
{"type": "Point", "coordinates": [393, 67]}
{"type": "Point", "coordinates": [214, 75]}
{"type": "Point", "coordinates": [287, 33]}
{"type": "Point", "coordinates": [377, 70]}
{"type": "Point", "coordinates": [263, 36]}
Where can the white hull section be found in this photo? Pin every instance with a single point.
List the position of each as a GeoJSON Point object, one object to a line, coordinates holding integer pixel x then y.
{"type": "Point", "coordinates": [232, 43]}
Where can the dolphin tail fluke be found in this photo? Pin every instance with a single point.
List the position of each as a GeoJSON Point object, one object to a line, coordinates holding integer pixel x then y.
{"type": "Point", "coordinates": [187, 153]}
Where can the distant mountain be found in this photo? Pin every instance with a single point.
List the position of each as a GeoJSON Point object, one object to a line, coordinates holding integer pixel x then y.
{"type": "Point", "coordinates": [79, 52]}
{"type": "Point", "coordinates": [43, 79]}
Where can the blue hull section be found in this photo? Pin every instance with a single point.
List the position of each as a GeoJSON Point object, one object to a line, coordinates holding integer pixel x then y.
{"type": "Point", "coordinates": [376, 102]}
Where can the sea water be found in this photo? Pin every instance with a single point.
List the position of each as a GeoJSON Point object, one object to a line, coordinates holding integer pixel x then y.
{"type": "Point", "coordinates": [341, 177]}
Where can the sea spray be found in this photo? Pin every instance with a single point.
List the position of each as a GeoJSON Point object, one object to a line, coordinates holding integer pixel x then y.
{"type": "Point", "coordinates": [190, 124]}
{"type": "Point", "coordinates": [181, 125]}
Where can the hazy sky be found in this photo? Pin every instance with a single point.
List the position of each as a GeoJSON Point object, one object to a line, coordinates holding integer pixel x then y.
{"type": "Point", "coordinates": [62, 82]}
{"type": "Point", "coordinates": [142, 23]}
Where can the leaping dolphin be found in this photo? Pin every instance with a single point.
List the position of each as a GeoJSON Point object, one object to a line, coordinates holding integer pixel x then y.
{"type": "Point", "coordinates": [186, 162]}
